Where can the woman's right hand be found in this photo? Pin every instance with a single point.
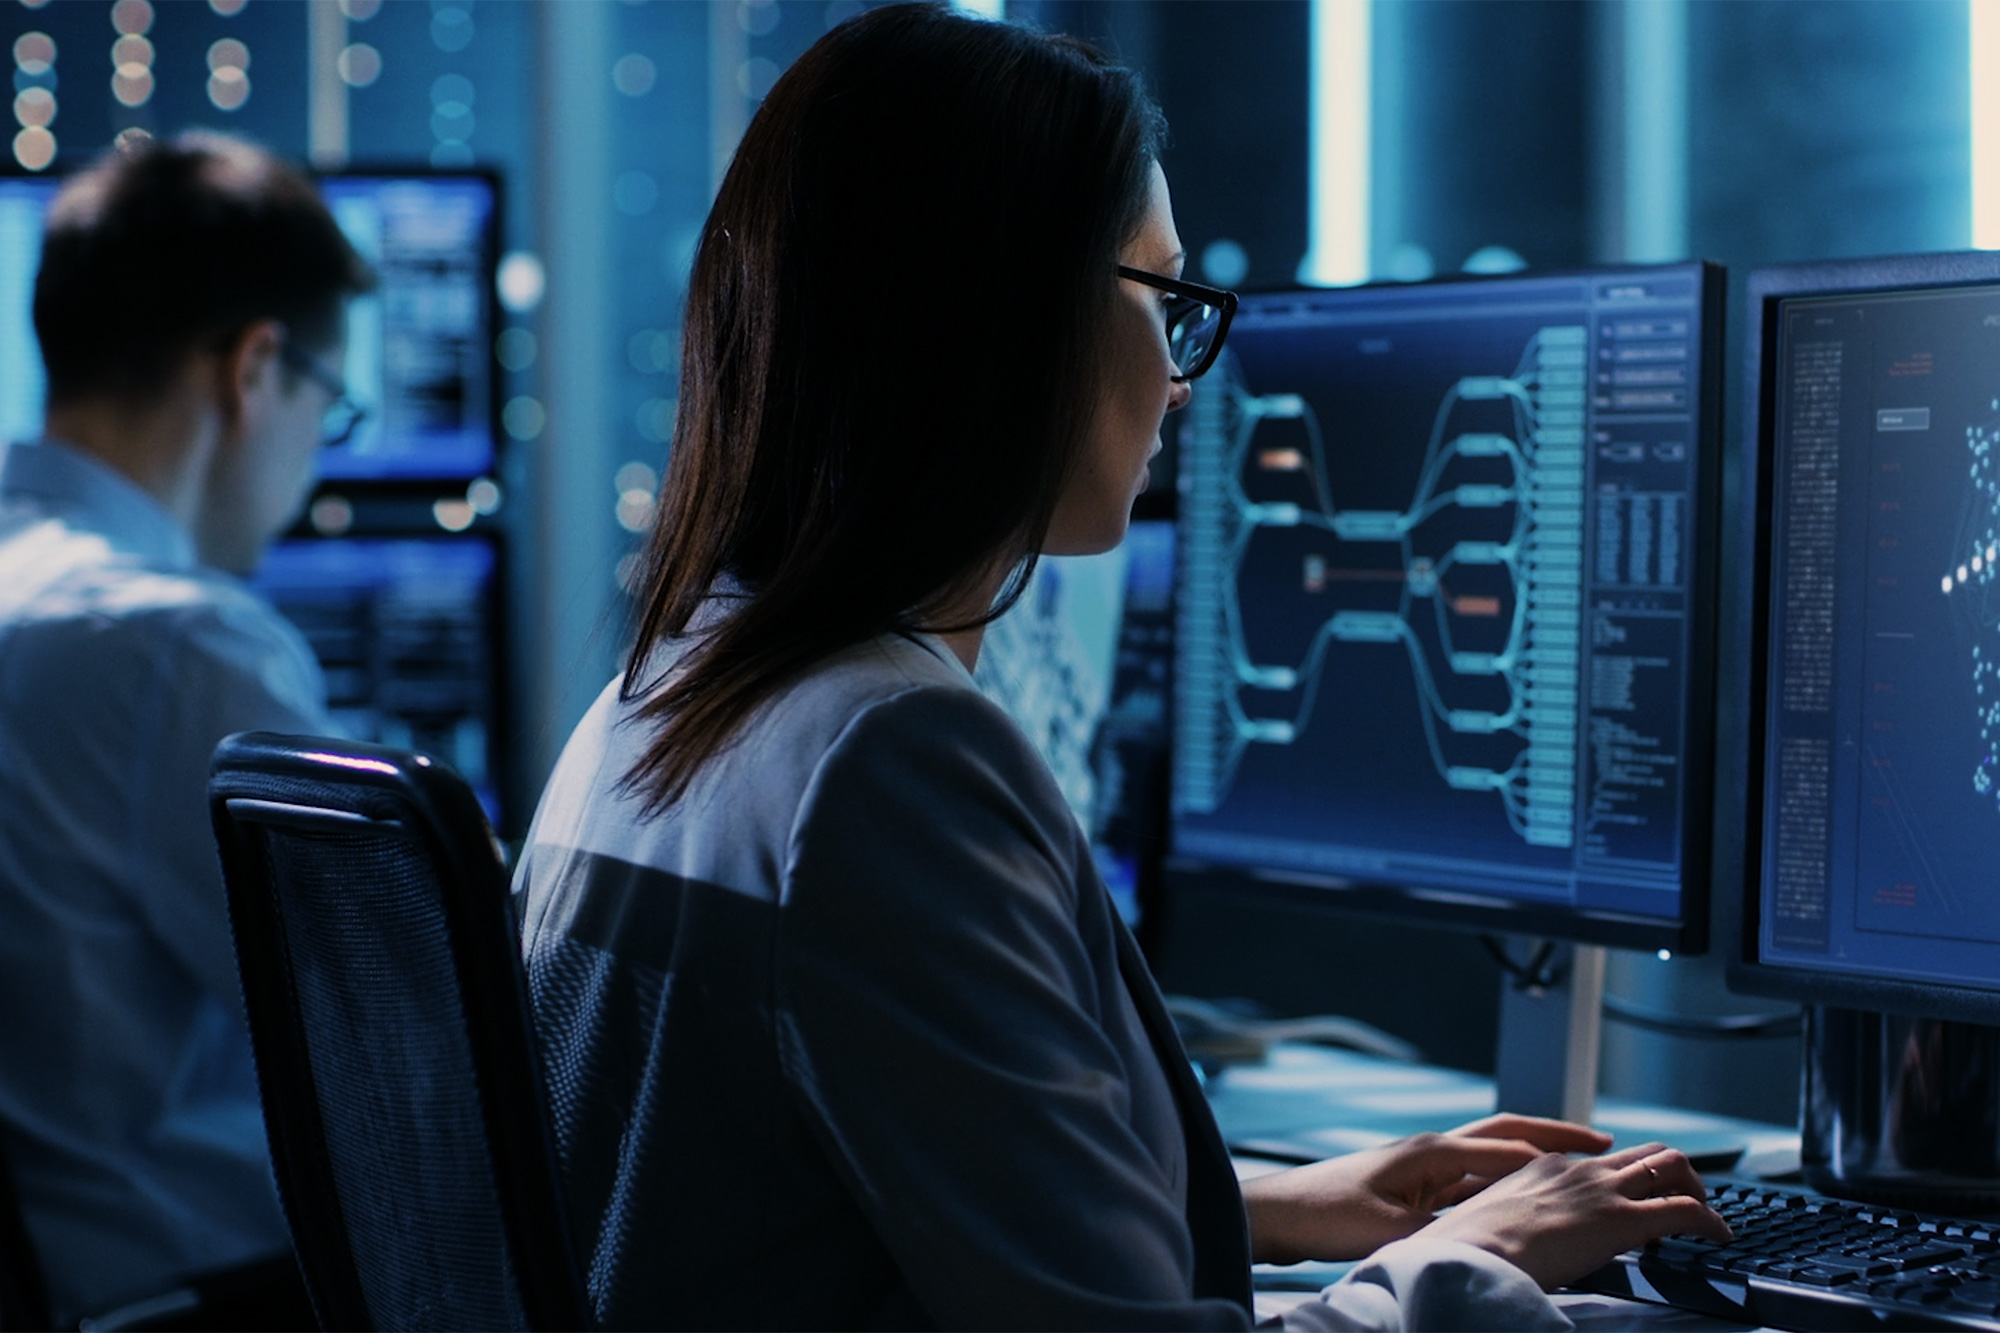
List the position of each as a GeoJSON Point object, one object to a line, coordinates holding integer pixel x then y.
{"type": "Point", "coordinates": [1559, 1218]}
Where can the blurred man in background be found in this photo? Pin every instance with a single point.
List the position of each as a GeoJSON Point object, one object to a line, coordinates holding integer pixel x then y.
{"type": "Point", "coordinates": [190, 310]}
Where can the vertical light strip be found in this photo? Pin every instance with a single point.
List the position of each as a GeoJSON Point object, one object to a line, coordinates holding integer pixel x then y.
{"type": "Point", "coordinates": [986, 9]}
{"type": "Point", "coordinates": [1984, 19]}
{"type": "Point", "coordinates": [1656, 130]}
{"type": "Point", "coordinates": [728, 104]}
{"type": "Point", "coordinates": [326, 104]}
{"type": "Point", "coordinates": [572, 463]}
{"type": "Point", "coordinates": [1337, 144]}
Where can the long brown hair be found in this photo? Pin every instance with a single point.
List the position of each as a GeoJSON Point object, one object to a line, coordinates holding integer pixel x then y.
{"type": "Point", "coordinates": [890, 354]}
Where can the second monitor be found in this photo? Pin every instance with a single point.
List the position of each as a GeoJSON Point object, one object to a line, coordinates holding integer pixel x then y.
{"type": "Point", "coordinates": [1445, 629]}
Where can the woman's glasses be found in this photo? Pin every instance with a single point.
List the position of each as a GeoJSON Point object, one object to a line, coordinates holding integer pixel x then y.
{"type": "Point", "coordinates": [1197, 320]}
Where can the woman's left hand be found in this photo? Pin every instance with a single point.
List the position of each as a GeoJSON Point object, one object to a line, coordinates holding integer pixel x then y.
{"type": "Point", "coordinates": [1347, 1207]}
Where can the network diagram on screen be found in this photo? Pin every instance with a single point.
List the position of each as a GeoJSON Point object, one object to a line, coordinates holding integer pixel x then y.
{"type": "Point", "coordinates": [1435, 608]}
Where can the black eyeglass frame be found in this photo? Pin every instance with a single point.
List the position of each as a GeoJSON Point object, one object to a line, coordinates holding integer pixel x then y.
{"type": "Point", "coordinates": [351, 413]}
{"type": "Point", "coordinates": [1194, 294]}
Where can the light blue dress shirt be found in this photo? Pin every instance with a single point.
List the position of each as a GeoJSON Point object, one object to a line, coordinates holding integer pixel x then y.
{"type": "Point", "coordinates": [128, 1103]}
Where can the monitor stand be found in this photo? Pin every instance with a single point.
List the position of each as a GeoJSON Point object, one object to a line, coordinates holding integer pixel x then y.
{"type": "Point", "coordinates": [1550, 1019]}
{"type": "Point", "coordinates": [1902, 1111]}
{"type": "Point", "coordinates": [1551, 1015]}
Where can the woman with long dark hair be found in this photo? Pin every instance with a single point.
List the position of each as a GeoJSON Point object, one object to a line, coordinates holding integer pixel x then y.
{"type": "Point", "coordinates": [841, 1027]}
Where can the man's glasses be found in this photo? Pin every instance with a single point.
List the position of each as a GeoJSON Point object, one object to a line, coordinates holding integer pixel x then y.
{"type": "Point", "coordinates": [1197, 320]}
{"type": "Point", "coordinates": [343, 415]}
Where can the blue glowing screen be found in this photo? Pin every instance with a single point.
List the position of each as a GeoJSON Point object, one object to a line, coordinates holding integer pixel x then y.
{"type": "Point", "coordinates": [1439, 596]}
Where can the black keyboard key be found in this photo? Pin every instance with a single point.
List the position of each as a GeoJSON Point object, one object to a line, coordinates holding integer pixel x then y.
{"type": "Point", "coordinates": [1855, 1265]}
{"type": "Point", "coordinates": [1928, 1256]}
{"type": "Point", "coordinates": [1820, 1276]}
{"type": "Point", "coordinates": [1983, 1297]}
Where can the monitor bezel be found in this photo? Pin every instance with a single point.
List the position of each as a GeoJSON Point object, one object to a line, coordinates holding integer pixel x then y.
{"type": "Point", "coordinates": [1746, 973]}
{"type": "Point", "coordinates": [1472, 911]}
{"type": "Point", "coordinates": [492, 244]}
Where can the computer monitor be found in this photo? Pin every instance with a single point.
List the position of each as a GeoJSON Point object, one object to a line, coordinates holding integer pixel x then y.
{"type": "Point", "coordinates": [1082, 663]}
{"type": "Point", "coordinates": [420, 347]}
{"type": "Point", "coordinates": [404, 629]}
{"type": "Point", "coordinates": [1872, 584]}
{"type": "Point", "coordinates": [1445, 627]}
{"type": "Point", "coordinates": [1445, 641]}
{"type": "Point", "coordinates": [24, 200]}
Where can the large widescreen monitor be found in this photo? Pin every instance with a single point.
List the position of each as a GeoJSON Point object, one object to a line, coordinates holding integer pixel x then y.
{"type": "Point", "coordinates": [407, 631]}
{"type": "Point", "coordinates": [1873, 582]}
{"type": "Point", "coordinates": [419, 347]}
{"type": "Point", "coordinates": [1445, 640]}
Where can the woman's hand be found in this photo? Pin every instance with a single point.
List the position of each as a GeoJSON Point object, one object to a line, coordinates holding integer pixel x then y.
{"type": "Point", "coordinates": [1347, 1207]}
{"type": "Point", "coordinates": [1558, 1218]}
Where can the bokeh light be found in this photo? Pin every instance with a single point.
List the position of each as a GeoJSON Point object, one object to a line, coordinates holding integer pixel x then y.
{"type": "Point", "coordinates": [228, 88]}
{"type": "Point", "coordinates": [359, 64]}
{"type": "Point", "coordinates": [35, 148]}
{"type": "Point", "coordinates": [522, 282]}
{"type": "Point", "coordinates": [524, 417]}
{"type": "Point", "coordinates": [650, 351]}
{"type": "Point", "coordinates": [451, 28]}
{"type": "Point", "coordinates": [331, 515]}
{"type": "Point", "coordinates": [453, 515]}
{"type": "Point", "coordinates": [636, 476]}
{"type": "Point", "coordinates": [655, 420]}
{"type": "Point", "coordinates": [228, 54]}
{"type": "Point", "coordinates": [634, 75]}
{"type": "Point", "coordinates": [132, 84]}
{"type": "Point", "coordinates": [34, 53]}
{"type": "Point", "coordinates": [634, 510]}
{"type": "Point", "coordinates": [132, 16]}
{"type": "Point", "coordinates": [35, 107]}
{"type": "Point", "coordinates": [516, 349]}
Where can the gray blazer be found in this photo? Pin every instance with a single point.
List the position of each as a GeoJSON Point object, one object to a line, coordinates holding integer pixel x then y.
{"type": "Point", "coordinates": [852, 1035]}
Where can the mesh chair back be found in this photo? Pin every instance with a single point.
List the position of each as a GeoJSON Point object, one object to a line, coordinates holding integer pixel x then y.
{"type": "Point", "coordinates": [24, 1298]}
{"type": "Point", "coordinates": [388, 1011]}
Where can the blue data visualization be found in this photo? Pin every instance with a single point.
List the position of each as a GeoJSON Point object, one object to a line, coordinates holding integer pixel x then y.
{"type": "Point", "coordinates": [1438, 608]}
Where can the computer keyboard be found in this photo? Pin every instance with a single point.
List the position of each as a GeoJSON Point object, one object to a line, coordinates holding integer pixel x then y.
{"type": "Point", "coordinates": [1804, 1261]}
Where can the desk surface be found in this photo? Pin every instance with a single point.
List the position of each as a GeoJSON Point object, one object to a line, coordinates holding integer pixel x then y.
{"type": "Point", "coordinates": [1312, 1099]}
{"type": "Point", "coordinates": [1307, 1100]}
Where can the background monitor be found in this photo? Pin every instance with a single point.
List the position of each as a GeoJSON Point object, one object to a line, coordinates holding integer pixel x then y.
{"type": "Point", "coordinates": [404, 628]}
{"type": "Point", "coordinates": [420, 347]}
{"type": "Point", "coordinates": [1874, 597]}
{"type": "Point", "coordinates": [23, 202]}
{"type": "Point", "coordinates": [1445, 640]}
{"type": "Point", "coordinates": [1082, 663]}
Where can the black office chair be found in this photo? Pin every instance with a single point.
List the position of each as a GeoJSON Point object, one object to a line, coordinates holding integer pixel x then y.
{"type": "Point", "coordinates": [24, 1296]}
{"type": "Point", "coordinates": [395, 1052]}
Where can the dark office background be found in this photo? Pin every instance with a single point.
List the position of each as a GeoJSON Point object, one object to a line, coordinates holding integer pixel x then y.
{"type": "Point", "coordinates": [1499, 131]}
